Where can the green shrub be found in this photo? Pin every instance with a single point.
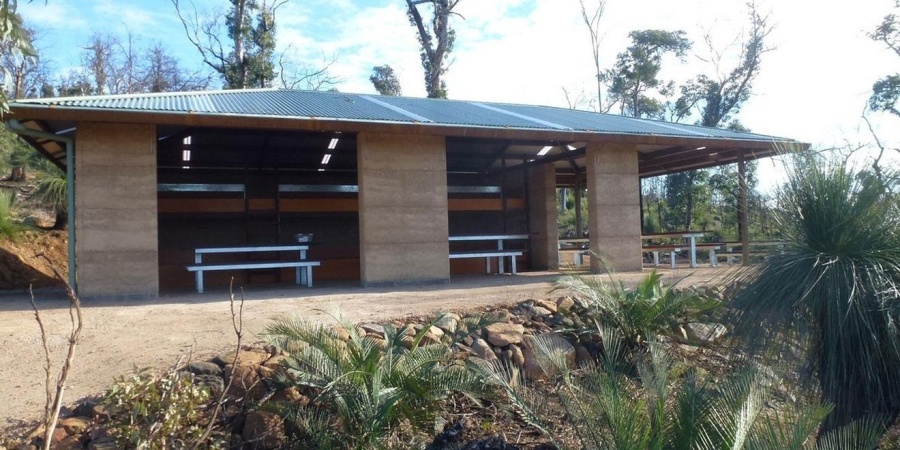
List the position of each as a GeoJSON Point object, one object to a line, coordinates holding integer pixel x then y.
{"type": "Point", "coordinates": [165, 411]}
{"type": "Point", "coordinates": [610, 410]}
{"type": "Point", "coordinates": [365, 387]}
{"type": "Point", "coordinates": [9, 228]}
{"type": "Point", "coordinates": [649, 309]}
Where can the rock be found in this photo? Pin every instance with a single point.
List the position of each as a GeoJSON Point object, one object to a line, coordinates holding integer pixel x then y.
{"type": "Point", "coordinates": [430, 339]}
{"type": "Point", "coordinates": [517, 357]}
{"type": "Point", "coordinates": [468, 340]}
{"type": "Point", "coordinates": [290, 395]}
{"type": "Point", "coordinates": [483, 350]}
{"type": "Point", "coordinates": [103, 412]}
{"type": "Point", "coordinates": [340, 333]}
{"type": "Point", "coordinates": [564, 303]}
{"type": "Point", "coordinates": [103, 443]}
{"type": "Point", "coordinates": [583, 356]}
{"type": "Point", "coordinates": [275, 361]}
{"type": "Point", "coordinates": [74, 426]}
{"type": "Point", "coordinates": [373, 328]}
{"type": "Point", "coordinates": [204, 368]}
{"type": "Point", "coordinates": [377, 340]}
{"type": "Point", "coordinates": [246, 383]}
{"type": "Point", "coordinates": [503, 334]}
{"type": "Point", "coordinates": [539, 311]}
{"type": "Point", "coordinates": [263, 430]}
{"type": "Point", "coordinates": [448, 322]}
{"type": "Point", "coordinates": [244, 358]}
{"type": "Point", "coordinates": [214, 383]}
{"type": "Point", "coordinates": [704, 333]}
{"type": "Point", "coordinates": [548, 305]}
{"type": "Point", "coordinates": [436, 331]}
{"type": "Point", "coordinates": [56, 439]}
{"type": "Point", "coordinates": [557, 344]}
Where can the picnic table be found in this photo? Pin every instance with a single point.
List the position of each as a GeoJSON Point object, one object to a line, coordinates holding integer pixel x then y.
{"type": "Point", "coordinates": [690, 236]}
{"type": "Point", "coordinates": [500, 253]}
{"type": "Point", "coordinates": [302, 265]}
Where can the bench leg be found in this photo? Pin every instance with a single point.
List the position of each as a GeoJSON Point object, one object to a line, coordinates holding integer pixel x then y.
{"type": "Point", "coordinates": [199, 276]}
{"type": "Point", "coordinates": [713, 260]}
{"type": "Point", "coordinates": [309, 276]}
{"type": "Point", "coordinates": [487, 265]}
{"type": "Point", "coordinates": [672, 259]}
{"type": "Point", "coordinates": [656, 259]}
{"type": "Point", "coordinates": [301, 276]}
{"type": "Point", "coordinates": [500, 268]}
{"type": "Point", "coordinates": [512, 264]}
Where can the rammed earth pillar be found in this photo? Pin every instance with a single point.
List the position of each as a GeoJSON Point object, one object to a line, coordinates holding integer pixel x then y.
{"type": "Point", "coordinates": [543, 217]}
{"type": "Point", "coordinates": [403, 226]}
{"type": "Point", "coordinates": [116, 247]}
{"type": "Point", "coordinates": [614, 211]}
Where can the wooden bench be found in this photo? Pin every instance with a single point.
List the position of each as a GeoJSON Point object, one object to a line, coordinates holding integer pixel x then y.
{"type": "Point", "coordinates": [303, 267]}
{"type": "Point", "coordinates": [488, 254]}
{"type": "Point", "coordinates": [657, 249]}
{"type": "Point", "coordinates": [500, 253]}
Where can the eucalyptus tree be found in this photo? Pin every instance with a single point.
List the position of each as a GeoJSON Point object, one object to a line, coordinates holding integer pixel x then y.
{"type": "Point", "coordinates": [239, 47]}
{"type": "Point", "coordinates": [385, 81]}
{"type": "Point", "coordinates": [436, 40]}
{"type": "Point", "coordinates": [886, 91]}
{"type": "Point", "coordinates": [636, 72]}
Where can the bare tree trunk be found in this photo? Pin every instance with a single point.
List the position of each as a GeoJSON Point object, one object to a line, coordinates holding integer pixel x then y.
{"type": "Point", "coordinates": [18, 173]}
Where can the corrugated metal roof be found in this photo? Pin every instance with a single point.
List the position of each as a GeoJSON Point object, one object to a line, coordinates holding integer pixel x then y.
{"type": "Point", "coordinates": [370, 108]}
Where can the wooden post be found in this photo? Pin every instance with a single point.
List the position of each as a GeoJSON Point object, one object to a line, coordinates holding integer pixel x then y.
{"type": "Point", "coordinates": [579, 228]}
{"type": "Point", "coordinates": [742, 210]}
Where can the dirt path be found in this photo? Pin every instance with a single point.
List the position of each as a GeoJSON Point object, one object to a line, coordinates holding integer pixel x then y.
{"type": "Point", "coordinates": [119, 335]}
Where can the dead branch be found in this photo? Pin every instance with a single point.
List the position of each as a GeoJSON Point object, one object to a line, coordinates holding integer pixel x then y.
{"type": "Point", "coordinates": [54, 406]}
{"type": "Point", "coordinates": [237, 323]}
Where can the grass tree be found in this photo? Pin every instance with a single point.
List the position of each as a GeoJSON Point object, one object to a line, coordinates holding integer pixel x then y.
{"type": "Point", "coordinates": [9, 228]}
{"type": "Point", "coordinates": [835, 286]}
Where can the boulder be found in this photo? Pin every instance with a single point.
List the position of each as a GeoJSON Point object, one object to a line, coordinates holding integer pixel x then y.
{"type": "Point", "coordinates": [246, 382]}
{"type": "Point", "coordinates": [373, 328]}
{"type": "Point", "coordinates": [539, 311]}
{"type": "Point", "coordinates": [74, 426]}
{"type": "Point", "coordinates": [518, 358]}
{"type": "Point", "coordinates": [244, 358]}
{"type": "Point", "coordinates": [483, 350]}
{"type": "Point", "coordinates": [704, 333]}
{"type": "Point", "coordinates": [546, 304]}
{"type": "Point", "coordinates": [263, 430]}
{"type": "Point", "coordinates": [205, 368]}
{"type": "Point", "coordinates": [503, 334]}
{"type": "Point", "coordinates": [564, 303]}
{"type": "Point", "coordinates": [103, 443]}
{"type": "Point", "coordinates": [448, 322]}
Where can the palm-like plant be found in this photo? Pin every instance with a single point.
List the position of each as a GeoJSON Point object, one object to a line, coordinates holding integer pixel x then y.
{"type": "Point", "coordinates": [612, 411]}
{"type": "Point", "coordinates": [369, 385]}
{"type": "Point", "coordinates": [51, 190]}
{"type": "Point", "coordinates": [835, 286]}
{"type": "Point", "coordinates": [649, 309]}
{"type": "Point", "coordinates": [9, 229]}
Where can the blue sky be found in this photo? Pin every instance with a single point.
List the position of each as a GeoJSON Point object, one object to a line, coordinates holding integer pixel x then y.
{"type": "Point", "coordinates": [813, 87]}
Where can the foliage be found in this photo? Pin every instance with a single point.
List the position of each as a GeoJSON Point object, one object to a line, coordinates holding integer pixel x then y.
{"type": "Point", "coordinates": [719, 97]}
{"type": "Point", "coordinates": [385, 81]}
{"type": "Point", "coordinates": [13, 39]}
{"type": "Point", "coordinates": [9, 228]}
{"type": "Point", "coordinates": [157, 411]}
{"type": "Point", "coordinates": [837, 284]}
{"type": "Point", "coordinates": [641, 313]}
{"type": "Point", "coordinates": [51, 189]}
{"type": "Point", "coordinates": [436, 41]}
{"type": "Point", "coordinates": [637, 69]}
{"type": "Point", "coordinates": [366, 387]}
{"type": "Point", "coordinates": [612, 411]}
{"type": "Point", "coordinates": [886, 91]}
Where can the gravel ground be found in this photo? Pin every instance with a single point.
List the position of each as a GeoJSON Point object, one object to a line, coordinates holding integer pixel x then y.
{"type": "Point", "coordinates": [119, 335]}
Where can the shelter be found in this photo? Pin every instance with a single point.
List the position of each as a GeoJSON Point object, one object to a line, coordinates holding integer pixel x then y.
{"type": "Point", "coordinates": [381, 182]}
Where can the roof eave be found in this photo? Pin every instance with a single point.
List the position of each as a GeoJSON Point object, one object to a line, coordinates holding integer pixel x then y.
{"type": "Point", "coordinates": [30, 111]}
